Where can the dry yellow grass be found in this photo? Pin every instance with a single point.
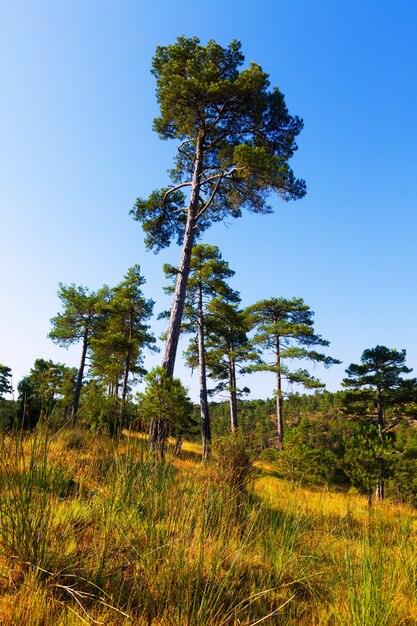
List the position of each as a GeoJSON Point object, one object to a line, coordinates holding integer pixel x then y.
{"type": "Point", "coordinates": [140, 536]}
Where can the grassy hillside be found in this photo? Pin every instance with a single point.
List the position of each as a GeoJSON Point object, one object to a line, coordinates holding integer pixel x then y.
{"type": "Point", "coordinates": [94, 531]}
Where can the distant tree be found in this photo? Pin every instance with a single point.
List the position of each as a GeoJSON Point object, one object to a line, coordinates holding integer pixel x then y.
{"type": "Point", "coordinates": [207, 280]}
{"type": "Point", "coordinates": [45, 385]}
{"type": "Point", "coordinates": [236, 137]}
{"type": "Point", "coordinates": [381, 370]}
{"type": "Point", "coordinates": [117, 350]}
{"type": "Point", "coordinates": [5, 380]}
{"type": "Point", "coordinates": [402, 485]}
{"type": "Point", "coordinates": [366, 458]}
{"type": "Point", "coordinates": [284, 330]}
{"type": "Point", "coordinates": [298, 460]}
{"type": "Point", "coordinates": [78, 321]}
{"type": "Point", "coordinates": [165, 406]}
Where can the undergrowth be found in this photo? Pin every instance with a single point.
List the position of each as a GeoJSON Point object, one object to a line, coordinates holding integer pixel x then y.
{"type": "Point", "coordinates": [98, 531]}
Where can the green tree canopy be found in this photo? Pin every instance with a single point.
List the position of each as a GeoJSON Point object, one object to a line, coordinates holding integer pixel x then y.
{"type": "Point", "coordinates": [118, 349]}
{"type": "Point", "coordinates": [229, 351]}
{"type": "Point", "coordinates": [165, 406]}
{"type": "Point", "coordinates": [284, 332]}
{"type": "Point", "coordinates": [78, 321]}
{"type": "Point", "coordinates": [45, 385]}
{"type": "Point", "coordinates": [381, 370]}
{"type": "Point", "coordinates": [235, 139]}
{"type": "Point", "coordinates": [5, 380]}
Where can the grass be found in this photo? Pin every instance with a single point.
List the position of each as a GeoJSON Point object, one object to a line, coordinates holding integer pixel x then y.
{"type": "Point", "coordinates": [95, 531]}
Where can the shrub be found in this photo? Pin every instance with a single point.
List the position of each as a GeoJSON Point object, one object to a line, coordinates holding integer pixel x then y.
{"type": "Point", "coordinates": [233, 460]}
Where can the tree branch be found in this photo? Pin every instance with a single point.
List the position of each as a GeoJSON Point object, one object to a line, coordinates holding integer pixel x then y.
{"type": "Point", "coordinates": [172, 189]}
{"type": "Point", "coordinates": [222, 174]}
{"type": "Point", "coordinates": [210, 200]}
{"type": "Point", "coordinates": [220, 114]}
{"type": "Point", "coordinates": [184, 142]}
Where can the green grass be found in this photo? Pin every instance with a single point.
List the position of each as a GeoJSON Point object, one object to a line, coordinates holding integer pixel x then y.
{"type": "Point", "coordinates": [93, 530]}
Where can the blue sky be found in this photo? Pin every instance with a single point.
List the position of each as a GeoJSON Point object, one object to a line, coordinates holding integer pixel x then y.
{"type": "Point", "coordinates": [77, 148]}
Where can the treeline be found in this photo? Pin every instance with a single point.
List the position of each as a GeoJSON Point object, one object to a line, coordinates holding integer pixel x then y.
{"type": "Point", "coordinates": [225, 340]}
{"type": "Point", "coordinates": [332, 439]}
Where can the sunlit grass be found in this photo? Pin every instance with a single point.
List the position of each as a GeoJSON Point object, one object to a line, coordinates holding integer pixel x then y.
{"type": "Point", "coordinates": [97, 530]}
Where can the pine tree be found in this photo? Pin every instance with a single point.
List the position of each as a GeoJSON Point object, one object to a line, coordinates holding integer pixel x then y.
{"type": "Point", "coordinates": [166, 406]}
{"type": "Point", "coordinates": [5, 380]}
{"type": "Point", "coordinates": [78, 321]}
{"type": "Point", "coordinates": [284, 330]}
{"type": "Point", "coordinates": [229, 350]}
{"type": "Point", "coordinates": [117, 350]}
{"type": "Point", "coordinates": [366, 458]}
{"type": "Point", "coordinates": [381, 370]}
{"type": "Point", "coordinates": [45, 385]}
{"type": "Point", "coordinates": [236, 137]}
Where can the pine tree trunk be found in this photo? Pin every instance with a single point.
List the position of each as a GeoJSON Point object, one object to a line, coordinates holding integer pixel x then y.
{"type": "Point", "coordinates": [204, 409]}
{"type": "Point", "coordinates": [233, 395]}
{"type": "Point", "coordinates": [124, 390]}
{"type": "Point", "coordinates": [380, 414]}
{"type": "Point", "coordinates": [280, 421]}
{"type": "Point", "coordinates": [177, 308]}
{"type": "Point", "coordinates": [80, 376]}
{"type": "Point", "coordinates": [157, 436]}
{"type": "Point", "coordinates": [379, 495]}
{"type": "Point", "coordinates": [125, 377]}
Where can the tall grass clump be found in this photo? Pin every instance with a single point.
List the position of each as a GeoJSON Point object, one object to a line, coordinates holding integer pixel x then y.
{"type": "Point", "coordinates": [233, 460]}
{"type": "Point", "coordinates": [25, 512]}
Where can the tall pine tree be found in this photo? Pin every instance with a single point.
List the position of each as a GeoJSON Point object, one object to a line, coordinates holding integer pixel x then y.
{"type": "Point", "coordinates": [235, 140]}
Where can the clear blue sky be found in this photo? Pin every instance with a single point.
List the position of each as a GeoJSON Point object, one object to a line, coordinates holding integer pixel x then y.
{"type": "Point", "coordinates": [77, 148]}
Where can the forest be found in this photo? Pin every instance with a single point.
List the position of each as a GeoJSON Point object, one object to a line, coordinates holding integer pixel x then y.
{"type": "Point", "coordinates": [124, 506]}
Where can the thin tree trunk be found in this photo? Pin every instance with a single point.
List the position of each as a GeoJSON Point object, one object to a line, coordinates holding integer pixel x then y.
{"type": "Point", "coordinates": [177, 308]}
{"type": "Point", "coordinates": [157, 436]}
{"type": "Point", "coordinates": [80, 377]}
{"type": "Point", "coordinates": [233, 395]}
{"type": "Point", "coordinates": [379, 495]}
{"type": "Point", "coordinates": [124, 390]}
{"type": "Point", "coordinates": [380, 414]}
{"type": "Point", "coordinates": [280, 421]}
{"type": "Point", "coordinates": [125, 377]}
{"type": "Point", "coordinates": [204, 409]}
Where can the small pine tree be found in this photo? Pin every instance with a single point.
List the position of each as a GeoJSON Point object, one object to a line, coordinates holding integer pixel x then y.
{"type": "Point", "coordinates": [366, 457]}
{"type": "Point", "coordinates": [165, 406]}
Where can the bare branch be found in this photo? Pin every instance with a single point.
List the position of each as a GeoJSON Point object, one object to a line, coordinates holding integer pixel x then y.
{"type": "Point", "coordinates": [184, 142]}
{"type": "Point", "coordinates": [172, 189]}
{"type": "Point", "coordinates": [184, 208]}
{"type": "Point", "coordinates": [210, 200]}
{"type": "Point", "coordinates": [222, 174]}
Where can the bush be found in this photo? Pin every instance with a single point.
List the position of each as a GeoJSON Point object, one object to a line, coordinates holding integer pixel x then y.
{"type": "Point", "coordinates": [233, 460]}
